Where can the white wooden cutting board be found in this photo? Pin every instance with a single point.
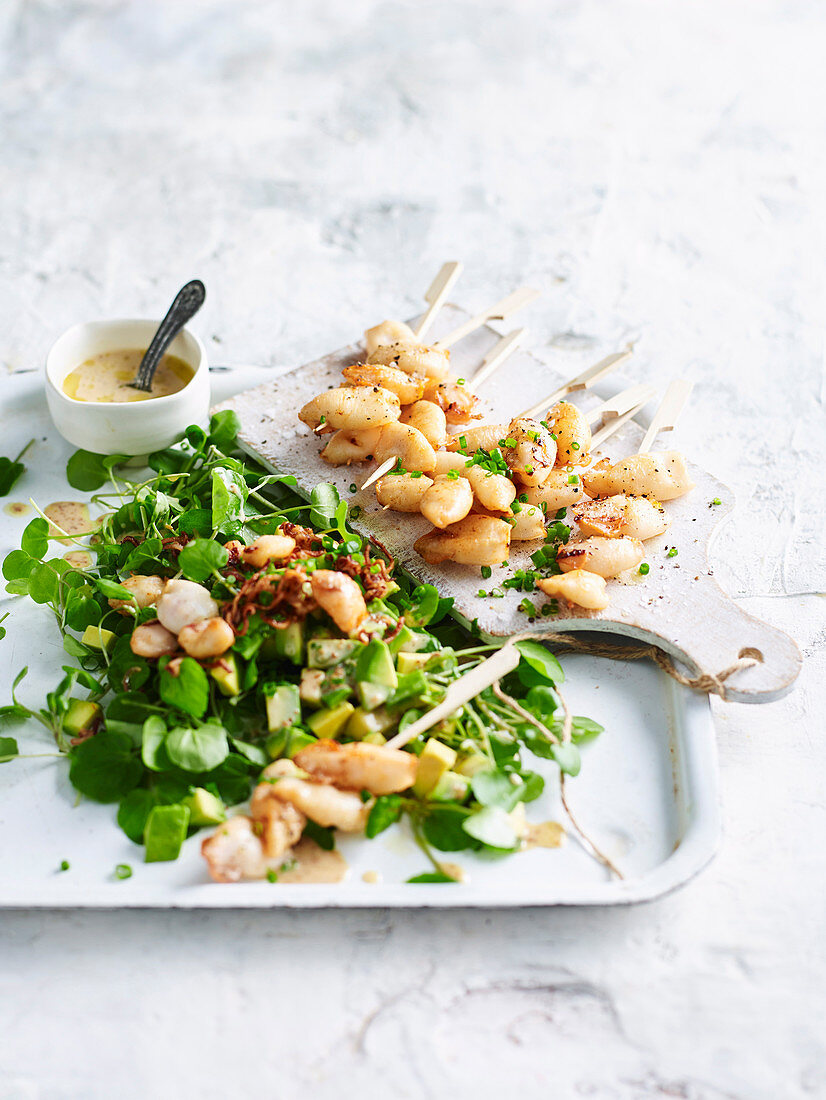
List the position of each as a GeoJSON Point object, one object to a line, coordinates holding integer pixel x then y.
{"type": "Point", "coordinates": [678, 605]}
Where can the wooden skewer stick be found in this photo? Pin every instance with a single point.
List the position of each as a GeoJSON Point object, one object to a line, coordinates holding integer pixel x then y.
{"type": "Point", "coordinates": [497, 312]}
{"type": "Point", "coordinates": [437, 294]}
{"type": "Point", "coordinates": [616, 406]}
{"type": "Point", "coordinates": [461, 691]}
{"type": "Point", "coordinates": [667, 415]}
{"type": "Point", "coordinates": [497, 356]}
{"type": "Point", "coordinates": [614, 425]}
{"type": "Point", "coordinates": [379, 471]}
{"type": "Point", "coordinates": [582, 381]}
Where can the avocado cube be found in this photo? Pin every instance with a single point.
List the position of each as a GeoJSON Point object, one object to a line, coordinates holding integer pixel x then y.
{"type": "Point", "coordinates": [283, 707]}
{"type": "Point", "coordinates": [326, 652]}
{"type": "Point", "coordinates": [80, 714]}
{"type": "Point", "coordinates": [433, 763]}
{"type": "Point", "coordinates": [372, 695]}
{"type": "Point", "coordinates": [452, 787]}
{"type": "Point", "coordinates": [98, 638]}
{"type": "Point", "coordinates": [328, 723]}
{"type": "Point", "coordinates": [375, 665]}
{"type": "Point", "coordinates": [375, 738]}
{"type": "Point", "coordinates": [409, 662]}
{"type": "Point", "coordinates": [363, 722]}
{"type": "Point", "coordinates": [225, 675]}
{"type": "Point", "coordinates": [289, 643]}
{"type": "Point", "coordinates": [286, 743]}
{"type": "Point", "coordinates": [204, 808]}
{"type": "Point", "coordinates": [309, 690]}
{"type": "Point", "coordinates": [471, 764]}
{"type": "Point", "coordinates": [165, 832]}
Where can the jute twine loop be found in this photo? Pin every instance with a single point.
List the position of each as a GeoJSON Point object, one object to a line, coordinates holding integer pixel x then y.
{"type": "Point", "coordinates": [709, 683]}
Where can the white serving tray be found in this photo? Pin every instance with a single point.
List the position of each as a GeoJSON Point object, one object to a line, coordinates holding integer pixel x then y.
{"type": "Point", "coordinates": [647, 792]}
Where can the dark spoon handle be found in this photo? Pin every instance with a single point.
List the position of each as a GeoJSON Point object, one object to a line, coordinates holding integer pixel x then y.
{"type": "Point", "coordinates": [188, 301]}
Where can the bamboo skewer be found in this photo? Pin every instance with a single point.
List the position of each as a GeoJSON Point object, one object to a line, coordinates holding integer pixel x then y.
{"type": "Point", "coordinates": [497, 356]}
{"type": "Point", "coordinates": [633, 398]}
{"type": "Point", "coordinates": [667, 415]}
{"type": "Point", "coordinates": [436, 295]}
{"type": "Point", "coordinates": [614, 425]}
{"type": "Point", "coordinates": [461, 691]}
{"type": "Point", "coordinates": [380, 471]}
{"type": "Point", "coordinates": [582, 381]}
{"type": "Point", "coordinates": [497, 312]}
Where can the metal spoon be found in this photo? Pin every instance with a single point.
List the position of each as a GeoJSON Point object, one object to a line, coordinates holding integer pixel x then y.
{"type": "Point", "coordinates": [188, 301]}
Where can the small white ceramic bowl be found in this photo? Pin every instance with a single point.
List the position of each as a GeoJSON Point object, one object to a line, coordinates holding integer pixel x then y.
{"type": "Point", "coordinates": [130, 427]}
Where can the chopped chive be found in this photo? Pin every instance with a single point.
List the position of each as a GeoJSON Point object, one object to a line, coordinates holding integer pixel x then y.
{"type": "Point", "coordinates": [354, 488]}
{"type": "Point", "coordinates": [529, 470]}
{"type": "Point", "coordinates": [644, 568]}
{"type": "Point", "coordinates": [562, 513]}
{"type": "Point", "coordinates": [415, 473]}
{"type": "Point", "coordinates": [64, 865]}
{"type": "Point", "coordinates": [460, 381]}
{"type": "Point", "coordinates": [516, 507]}
{"type": "Point", "coordinates": [463, 442]}
{"type": "Point", "coordinates": [485, 571]}
{"type": "Point", "coordinates": [672, 553]}
{"type": "Point", "coordinates": [481, 592]}
{"type": "Point", "coordinates": [573, 479]}
{"type": "Point", "coordinates": [272, 876]}
{"type": "Point", "coordinates": [716, 501]}
{"type": "Point", "coordinates": [453, 475]}
{"type": "Point", "coordinates": [123, 871]}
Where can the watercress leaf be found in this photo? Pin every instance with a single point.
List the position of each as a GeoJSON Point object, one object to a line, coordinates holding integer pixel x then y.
{"type": "Point", "coordinates": [186, 688]}
{"type": "Point", "coordinates": [8, 746]}
{"type": "Point", "coordinates": [43, 583]}
{"type": "Point", "coordinates": [324, 500]}
{"type": "Point", "coordinates": [232, 779]}
{"type": "Point", "coordinates": [537, 657]}
{"type": "Point", "coordinates": [584, 729]}
{"type": "Point", "coordinates": [224, 426]}
{"type": "Point", "coordinates": [75, 648]}
{"type": "Point", "coordinates": [386, 811]}
{"type": "Point", "coordinates": [200, 558]}
{"type": "Point", "coordinates": [568, 758]}
{"type": "Point", "coordinates": [197, 521]}
{"type": "Point", "coordinates": [82, 609]}
{"type": "Point", "coordinates": [113, 590]}
{"type": "Point", "coordinates": [492, 826]}
{"type": "Point", "coordinates": [18, 565]}
{"type": "Point", "coordinates": [18, 587]}
{"type": "Point", "coordinates": [533, 785]}
{"type": "Point", "coordinates": [11, 470]}
{"type": "Point", "coordinates": [494, 788]}
{"type": "Point", "coordinates": [229, 493]}
{"type": "Point", "coordinates": [254, 753]}
{"type": "Point", "coordinates": [197, 750]}
{"type": "Point", "coordinates": [87, 471]}
{"type": "Point", "coordinates": [432, 876]}
{"type": "Point", "coordinates": [324, 838]}
{"type": "Point", "coordinates": [153, 735]}
{"type": "Point", "coordinates": [542, 701]}
{"type": "Point", "coordinates": [35, 537]}
{"type": "Point", "coordinates": [134, 810]}
{"type": "Point", "coordinates": [144, 553]}
{"type": "Point", "coordinates": [424, 605]}
{"type": "Point", "coordinates": [127, 671]}
{"type": "Point", "coordinates": [443, 829]}
{"type": "Point", "coordinates": [445, 605]}
{"type": "Point", "coordinates": [196, 437]}
{"type": "Point", "coordinates": [106, 767]}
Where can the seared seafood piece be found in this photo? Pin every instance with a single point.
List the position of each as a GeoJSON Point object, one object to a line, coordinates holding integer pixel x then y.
{"type": "Point", "coordinates": [344, 447]}
{"type": "Point", "coordinates": [579, 587]}
{"type": "Point", "coordinates": [475, 540]}
{"type": "Point", "coordinates": [413, 359]}
{"type": "Point", "coordinates": [402, 492]}
{"type": "Point", "coordinates": [573, 434]}
{"type": "Point", "coordinates": [388, 332]}
{"type": "Point", "coordinates": [352, 408]}
{"type": "Point", "coordinates": [359, 766]}
{"type": "Point", "coordinates": [662, 475]}
{"type": "Point", "coordinates": [607, 557]}
{"type": "Point", "coordinates": [615, 517]}
{"type": "Point", "coordinates": [407, 387]}
{"type": "Point", "coordinates": [529, 451]}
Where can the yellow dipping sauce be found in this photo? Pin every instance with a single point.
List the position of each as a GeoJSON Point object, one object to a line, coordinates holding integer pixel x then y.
{"type": "Point", "coordinates": [106, 377]}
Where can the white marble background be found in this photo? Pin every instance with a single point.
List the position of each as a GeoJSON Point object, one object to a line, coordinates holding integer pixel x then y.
{"type": "Point", "coordinates": [659, 171]}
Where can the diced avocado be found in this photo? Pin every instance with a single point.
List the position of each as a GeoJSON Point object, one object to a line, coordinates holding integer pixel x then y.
{"type": "Point", "coordinates": [80, 714]}
{"type": "Point", "coordinates": [327, 723]}
{"type": "Point", "coordinates": [283, 707]}
{"type": "Point", "coordinates": [287, 743]}
{"type": "Point", "coordinates": [332, 696]}
{"type": "Point", "coordinates": [165, 832]}
{"type": "Point", "coordinates": [372, 626]}
{"type": "Point", "coordinates": [289, 643]}
{"type": "Point", "coordinates": [401, 640]}
{"type": "Point", "coordinates": [409, 662]}
{"type": "Point", "coordinates": [470, 765]}
{"type": "Point", "coordinates": [372, 695]}
{"type": "Point", "coordinates": [433, 763]}
{"type": "Point", "coordinates": [326, 652]}
{"type": "Point", "coordinates": [362, 723]}
{"type": "Point", "coordinates": [309, 690]}
{"type": "Point", "coordinates": [225, 675]}
{"type": "Point", "coordinates": [375, 665]}
{"type": "Point", "coordinates": [204, 807]}
{"type": "Point", "coordinates": [375, 738]}
{"type": "Point", "coordinates": [412, 686]}
{"type": "Point", "coordinates": [452, 787]}
{"type": "Point", "coordinates": [417, 642]}
{"type": "Point", "coordinates": [98, 638]}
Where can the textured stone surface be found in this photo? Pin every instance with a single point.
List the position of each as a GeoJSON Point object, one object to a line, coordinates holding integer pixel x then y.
{"type": "Point", "coordinates": [658, 170]}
